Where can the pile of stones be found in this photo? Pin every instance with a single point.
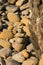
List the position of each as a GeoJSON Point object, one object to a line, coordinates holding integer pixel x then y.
{"type": "Point", "coordinates": [16, 47]}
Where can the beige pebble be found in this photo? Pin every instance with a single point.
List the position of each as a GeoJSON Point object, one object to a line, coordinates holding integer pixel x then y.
{"type": "Point", "coordinates": [41, 60]}
{"type": "Point", "coordinates": [6, 34]}
{"type": "Point", "coordinates": [24, 53]}
{"type": "Point", "coordinates": [13, 17]}
{"type": "Point", "coordinates": [11, 1]}
{"type": "Point", "coordinates": [5, 43]}
{"type": "Point", "coordinates": [19, 2]}
{"type": "Point", "coordinates": [18, 57]}
{"type": "Point", "coordinates": [17, 46]}
{"type": "Point", "coordinates": [5, 52]}
{"type": "Point", "coordinates": [11, 8]}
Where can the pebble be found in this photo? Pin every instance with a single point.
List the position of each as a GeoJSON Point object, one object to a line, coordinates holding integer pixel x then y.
{"type": "Point", "coordinates": [18, 57]}
{"type": "Point", "coordinates": [24, 53]}
{"type": "Point", "coordinates": [5, 43]}
{"type": "Point", "coordinates": [13, 17]}
{"type": "Point", "coordinates": [11, 8]}
{"type": "Point", "coordinates": [41, 60]}
{"type": "Point", "coordinates": [4, 52]}
{"type": "Point", "coordinates": [11, 62]}
{"type": "Point", "coordinates": [5, 34]}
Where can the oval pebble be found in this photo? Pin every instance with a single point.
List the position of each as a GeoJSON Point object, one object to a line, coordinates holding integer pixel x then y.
{"type": "Point", "coordinates": [13, 17]}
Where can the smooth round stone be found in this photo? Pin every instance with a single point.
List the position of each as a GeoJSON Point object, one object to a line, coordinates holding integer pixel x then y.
{"type": "Point", "coordinates": [11, 8]}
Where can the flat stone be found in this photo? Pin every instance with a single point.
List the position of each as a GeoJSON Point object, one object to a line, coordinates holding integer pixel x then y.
{"type": "Point", "coordinates": [18, 57]}
{"type": "Point", "coordinates": [11, 8]}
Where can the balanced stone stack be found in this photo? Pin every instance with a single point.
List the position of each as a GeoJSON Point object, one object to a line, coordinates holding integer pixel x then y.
{"type": "Point", "coordinates": [21, 32]}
